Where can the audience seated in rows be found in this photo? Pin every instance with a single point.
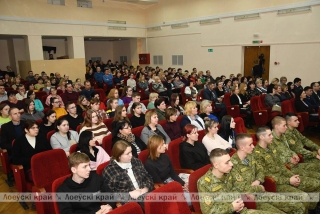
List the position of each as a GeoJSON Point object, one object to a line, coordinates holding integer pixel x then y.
{"type": "Point", "coordinates": [138, 117]}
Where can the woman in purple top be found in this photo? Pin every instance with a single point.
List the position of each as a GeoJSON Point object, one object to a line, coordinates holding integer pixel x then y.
{"type": "Point", "coordinates": [172, 127]}
{"type": "Point", "coordinates": [127, 94]}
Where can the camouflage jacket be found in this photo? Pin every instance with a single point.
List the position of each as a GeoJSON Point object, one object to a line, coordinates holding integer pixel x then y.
{"type": "Point", "coordinates": [297, 142]}
{"type": "Point", "coordinates": [212, 190]}
{"type": "Point", "coordinates": [272, 167]}
{"type": "Point", "coordinates": [284, 153]}
{"type": "Point", "coordinates": [245, 172]}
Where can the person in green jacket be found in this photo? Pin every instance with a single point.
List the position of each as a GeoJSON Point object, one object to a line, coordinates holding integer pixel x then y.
{"type": "Point", "coordinates": [214, 186]}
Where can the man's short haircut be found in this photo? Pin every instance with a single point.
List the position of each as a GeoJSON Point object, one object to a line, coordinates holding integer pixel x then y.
{"type": "Point", "coordinates": [262, 131]}
{"type": "Point", "coordinates": [277, 120]}
{"type": "Point", "coordinates": [77, 158]}
{"type": "Point", "coordinates": [28, 124]}
{"type": "Point", "coordinates": [297, 79]}
{"type": "Point", "coordinates": [136, 94]}
{"type": "Point", "coordinates": [67, 84]}
{"type": "Point", "coordinates": [215, 153]}
{"type": "Point", "coordinates": [313, 84]}
{"type": "Point", "coordinates": [289, 115]}
{"type": "Point", "coordinates": [240, 137]}
{"type": "Point", "coordinates": [307, 88]}
{"type": "Point", "coordinates": [106, 68]}
{"type": "Point", "coordinates": [87, 81]}
{"type": "Point", "coordinates": [68, 104]}
{"type": "Point", "coordinates": [10, 110]}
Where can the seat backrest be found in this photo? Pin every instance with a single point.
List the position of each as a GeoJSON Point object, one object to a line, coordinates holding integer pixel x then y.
{"type": "Point", "coordinates": [5, 161]}
{"type": "Point", "coordinates": [201, 133]}
{"type": "Point", "coordinates": [43, 100]}
{"type": "Point", "coordinates": [137, 131]}
{"type": "Point", "coordinates": [78, 128]}
{"type": "Point", "coordinates": [145, 102]}
{"type": "Point", "coordinates": [240, 127]}
{"type": "Point", "coordinates": [46, 167]}
{"type": "Point", "coordinates": [286, 107]}
{"type": "Point", "coordinates": [263, 103]}
{"type": "Point", "coordinates": [254, 103]}
{"type": "Point", "coordinates": [193, 179]}
{"type": "Point", "coordinates": [73, 148]}
{"type": "Point", "coordinates": [174, 153]}
{"type": "Point", "coordinates": [55, 185]}
{"type": "Point", "coordinates": [143, 156]}
{"type": "Point", "coordinates": [293, 100]}
{"type": "Point", "coordinates": [166, 206]}
{"type": "Point", "coordinates": [131, 207]}
{"type": "Point", "coordinates": [107, 144]}
{"type": "Point", "coordinates": [101, 167]}
{"type": "Point", "coordinates": [226, 99]}
{"type": "Point", "coordinates": [108, 122]}
{"type": "Point", "coordinates": [49, 134]}
{"type": "Point", "coordinates": [40, 94]}
{"type": "Point", "coordinates": [162, 122]}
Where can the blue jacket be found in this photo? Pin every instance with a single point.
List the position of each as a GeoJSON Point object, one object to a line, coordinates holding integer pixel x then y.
{"type": "Point", "coordinates": [98, 76]}
{"type": "Point", "coordinates": [108, 79]}
{"type": "Point", "coordinates": [207, 93]}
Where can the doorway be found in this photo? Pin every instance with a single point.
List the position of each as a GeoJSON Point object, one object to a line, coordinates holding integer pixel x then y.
{"type": "Point", "coordinates": [251, 54]}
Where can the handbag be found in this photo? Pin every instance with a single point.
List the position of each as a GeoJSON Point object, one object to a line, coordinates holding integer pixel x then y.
{"type": "Point", "coordinates": [276, 108]}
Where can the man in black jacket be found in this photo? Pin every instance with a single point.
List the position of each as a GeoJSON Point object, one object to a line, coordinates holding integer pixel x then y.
{"type": "Point", "coordinates": [315, 92]}
{"type": "Point", "coordinates": [84, 181]}
{"type": "Point", "coordinates": [11, 130]}
{"type": "Point", "coordinates": [210, 94]}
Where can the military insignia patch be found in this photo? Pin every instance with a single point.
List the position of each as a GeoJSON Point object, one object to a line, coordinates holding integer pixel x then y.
{"type": "Point", "coordinates": [216, 188]}
{"type": "Point", "coordinates": [274, 151]}
{"type": "Point", "coordinates": [207, 200]}
{"type": "Point", "coordinates": [292, 142]}
{"type": "Point", "coordinates": [207, 179]}
{"type": "Point", "coordinates": [238, 177]}
{"type": "Point", "coordinates": [258, 151]}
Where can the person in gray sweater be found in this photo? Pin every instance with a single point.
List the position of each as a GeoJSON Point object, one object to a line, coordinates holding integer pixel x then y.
{"type": "Point", "coordinates": [153, 128]}
{"type": "Point", "coordinates": [271, 99]}
{"type": "Point", "coordinates": [63, 138]}
{"type": "Point", "coordinates": [30, 113]}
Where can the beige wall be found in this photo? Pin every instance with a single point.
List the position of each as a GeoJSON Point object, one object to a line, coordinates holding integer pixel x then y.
{"type": "Point", "coordinates": [103, 49]}
{"type": "Point", "coordinates": [60, 44]}
{"type": "Point", "coordinates": [121, 48]}
{"type": "Point", "coordinates": [4, 59]}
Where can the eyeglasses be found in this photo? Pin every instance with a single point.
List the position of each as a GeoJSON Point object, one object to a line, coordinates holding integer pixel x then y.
{"type": "Point", "coordinates": [129, 127]}
{"type": "Point", "coordinates": [57, 102]}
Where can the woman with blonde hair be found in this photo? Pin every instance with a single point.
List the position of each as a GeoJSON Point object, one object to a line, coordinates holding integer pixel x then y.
{"type": "Point", "coordinates": [151, 127]}
{"type": "Point", "coordinates": [95, 125]}
{"type": "Point", "coordinates": [152, 97]}
{"type": "Point", "coordinates": [191, 116]}
{"type": "Point", "coordinates": [206, 110]}
{"type": "Point", "coordinates": [143, 84]}
{"type": "Point", "coordinates": [114, 93]}
{"type": "Point", "coordinates": [82, 105]}
{"type": "Point", "coordinates": [212, 140]}
{"type": "Point", "coordinates": [62, 84]}
{"type": "Point", "coordinates": [275, 81]}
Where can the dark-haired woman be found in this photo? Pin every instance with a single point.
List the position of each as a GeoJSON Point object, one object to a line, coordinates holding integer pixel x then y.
{"type": "Point", "coordinates": [193, 154]}
{"type": "Point", "coordinates": [37, 103]}
{"type": "Point", "coordinates": [138, 118]}
{"type": "Point", "coordinates": [63, 138]}
{"type": "Point", "coordinates": [29, 111]}
{"type": "Point", "coordinates": [48, 122]}
{"type": "Point", "coordinates": [227, 131]}
{"type": "Point", "coordinates": [120, 114]}
{"type": "Point", "coordinates": [174, 103]}
{"type": "Point", "coordinates": [88, 146]}
{"type": "Point", "coordinates": [123, 132]}
{"type": "Point", "coordinates": [28, 145]}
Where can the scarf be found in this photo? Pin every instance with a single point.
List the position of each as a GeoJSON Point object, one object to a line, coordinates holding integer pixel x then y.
{"type": "Point", "coordinates": [130, 139]}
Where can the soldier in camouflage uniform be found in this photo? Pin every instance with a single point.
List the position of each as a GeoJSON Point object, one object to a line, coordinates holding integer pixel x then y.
{"type": "Point", "coordinates": [297, 141]}
{"type": "Point", "coordinates": [247, 177]}
{"type": "Point", "coordinates": [286, 180]}
{"type": "Point", "coordinates": [285, 155]}
{"type": "Point", "coordinates": [213, 186]}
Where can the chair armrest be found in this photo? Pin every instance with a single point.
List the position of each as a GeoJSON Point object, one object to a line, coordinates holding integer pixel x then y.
{"type": "Point", "coordinates": [19, 177]}
{"type": "Point", "coordinates": [187, 171]}
{"type": "Point", "coordinates": [233, 111]}
{"type": "Point", "coordinates": [270, 184]}
{"type": "Point", "coordinates": [260, 117]}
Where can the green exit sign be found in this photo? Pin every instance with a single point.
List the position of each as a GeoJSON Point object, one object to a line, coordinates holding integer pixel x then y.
{"type": "Point", "coordinates": [210, 50]}
{"type": "Point", "coordinates": [256, 42]}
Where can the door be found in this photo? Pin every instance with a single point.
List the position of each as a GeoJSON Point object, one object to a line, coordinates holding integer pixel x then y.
{"type": "Point", "coordinates": [251, 54]}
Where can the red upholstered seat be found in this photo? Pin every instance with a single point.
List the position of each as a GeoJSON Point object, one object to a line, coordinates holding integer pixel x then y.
{"type": "Point", "coordinates": [165, 207]}
{"type": "Point", "coordinates": [201, 133]}
{"type": "Point", "coordinates": [193, 179]}
{"type": "Point", "coordinates": [73, 148]}
{"type": "Point", "coordinates": [45, 169]}
{"type": "Point", "coordinates": [174, 151]}
{"type": "Point", "coordinates": [6, 166]}
{"type": "Point", "coordinates": [49, 134]}
{"type": "Point", "coordinates": [101, 167]}
{"type": "Point", "coordinates": [185, 99]}
{"type": "Point", "coordinates": [55, 185]}
{"type": "Point", "coordinates": [143, 156]}
{"type": "Point", "coordinates": [137, 131]}
{"type": "Point", "coordinates": [131, 207]}
{"type": "Point", "coordinates": [107, 144]}
{"type": "Point", "coordinates": [108, 122]}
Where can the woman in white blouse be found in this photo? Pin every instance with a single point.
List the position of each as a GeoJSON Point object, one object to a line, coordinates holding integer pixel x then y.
{"type": "Point", "coordinates": [212, 140]}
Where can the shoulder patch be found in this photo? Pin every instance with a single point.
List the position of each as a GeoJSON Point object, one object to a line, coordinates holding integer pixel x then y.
{"type": "Point", "coordinates": [207, 179]}
{"type": "Point", "coordinates": [257, 151]}
{"type": "Point", "coordinates": [216, 188]}
{"type": "Point", "coordinates": [207, 200]}
{"type": "Point", "coordinates": [274, 151]}
{"type": "Point", "coordinates": [292, 142]}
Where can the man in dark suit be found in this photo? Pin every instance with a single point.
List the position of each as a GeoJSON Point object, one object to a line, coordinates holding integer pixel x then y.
{"type": "Point", "coordinates": [315, 92]}
{"type": "Point", "coordinates": [311, 102]}
{"type": "Point", "coordinates": [210, 94]}
{"type": "Point", "coordinates": [11, 130]}
{"type": "Point", "coordinates": [297, 85]}
{"type": "Point", "coordinates": [257, 69]}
